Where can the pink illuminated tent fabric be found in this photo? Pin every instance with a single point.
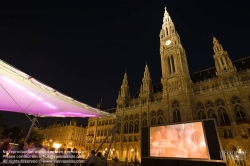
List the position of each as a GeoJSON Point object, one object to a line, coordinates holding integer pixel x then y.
{"type": "Point", "coordinates": [21, 93]}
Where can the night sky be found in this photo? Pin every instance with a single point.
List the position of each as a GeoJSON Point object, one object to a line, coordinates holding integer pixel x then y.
{"type": "Point", "coordinates": [83, 48]}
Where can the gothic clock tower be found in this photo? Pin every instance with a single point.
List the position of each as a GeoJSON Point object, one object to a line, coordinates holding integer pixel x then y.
{"type": "Point", "coordinates": [177, 85]}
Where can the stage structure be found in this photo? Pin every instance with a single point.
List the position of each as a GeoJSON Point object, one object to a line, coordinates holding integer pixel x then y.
{"type": "Point", "coordinates": [21, 93]}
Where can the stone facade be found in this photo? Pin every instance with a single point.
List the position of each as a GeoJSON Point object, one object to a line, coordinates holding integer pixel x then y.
{"type": "Point", "coordinates": [71, 135]}
{"type": "Point", "coordinates": [222, 92]}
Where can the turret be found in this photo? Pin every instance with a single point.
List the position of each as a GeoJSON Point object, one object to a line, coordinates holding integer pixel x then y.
{"type": "Point", "coordinates": [124, 95]}
{"type": "Point", "coordinates": [223, 63]}
{"type": "Point", "coordinates": [146, 86]}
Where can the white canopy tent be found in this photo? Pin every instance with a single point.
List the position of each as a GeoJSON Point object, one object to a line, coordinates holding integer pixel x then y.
{"type": "Point", "coordinates": [21, 93]}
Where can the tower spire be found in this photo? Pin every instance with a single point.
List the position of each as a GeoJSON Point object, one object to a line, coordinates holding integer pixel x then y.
{"type": "Point", "coordinates": [146, 71]}
{"type": "Point", "coordinates": [146, 87]}
{"type": "Point", "coordinates": [217, 46]}
{"type": "Point", "coordinates": [222, 61]}
{"type": "Point", "coordinates": [166, 18]}
{"type": "Point", "coordinates": [125, 79]}
{"type": "Point", "coordinates": [124, 95]}
{"type": "Point", "coordinates": [171, 50]}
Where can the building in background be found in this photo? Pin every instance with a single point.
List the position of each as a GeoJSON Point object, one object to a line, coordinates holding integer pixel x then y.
{"type": "Point", "coordinates": [221, 92]}
{"type": "Point", "coordinates": [71, 135]}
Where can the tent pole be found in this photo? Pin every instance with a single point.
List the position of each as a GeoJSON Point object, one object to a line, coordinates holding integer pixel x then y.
{"type": "Point", "coordinates": [111, 141]}
{"type": "Point", "coordinates": [31, 127]}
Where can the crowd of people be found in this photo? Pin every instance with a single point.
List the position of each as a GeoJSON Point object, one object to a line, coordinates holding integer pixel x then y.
{"type": "Point", "coordinates": [95, 160]}
{"type": "Point", "coordinates": [33, 153]}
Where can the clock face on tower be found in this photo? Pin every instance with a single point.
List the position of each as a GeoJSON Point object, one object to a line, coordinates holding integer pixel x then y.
{"type": "Point", "coordinates": [168, 42]}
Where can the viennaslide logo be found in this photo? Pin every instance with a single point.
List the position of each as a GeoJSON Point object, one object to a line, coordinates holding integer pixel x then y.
{"type": "Point", "coordinates": [238, 156]}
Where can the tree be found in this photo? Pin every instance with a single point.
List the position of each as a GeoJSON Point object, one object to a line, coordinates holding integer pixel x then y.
{"type": "Point", "coordinates": [17, 134]}
{"type": "Point", "coordinates": [35, 136]}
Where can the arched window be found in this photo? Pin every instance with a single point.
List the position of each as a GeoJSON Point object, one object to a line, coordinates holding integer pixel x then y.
{"type": "Point", "coordinates": [235, 99]}
{"type": "Point", "coordinates": [201, 115]}
{"type": "Point", "coordinates": [160, 117]}
{"type": "Point", "coordinates": [211, 114]}
{"type": "Point", "coordinates": [126, 118]}
{"type": "Point", "coordinates": [153, 114]}
{"type": "Point", "coordinates": [153, 118]}
{"type": "Point", "coordinates": [224, 119]}
{"type": "Point", "coordinates": [119, 127]}
{"type": "Point", "coordinates": [153, 121]}
{"type": "Point", "coordinates": [239, 111]}
{"type": "Point", "coordinates": [160, 120]}
{"type": "Point", "coordinates": [136, 116]}
{"type": "Point", "coordinates": [166, 31]}
{"type": "Point", "coordinates": [209, 104]}
{"type": "Point", "coordinates": [126, 127]}
{"type": "Point", "coordinates": [219, 102]}
{"type": "Point", "coordinates": [175, 104]}
{"type": "Point", "coordinates": [144, 122]}
{"type": "Point", "coordinates": [136, 126]}
{"type": "Point", "coordinates": [131, 127]}
{"type": "Point", "coordinates": [144, 119]}
{"type": "Point", "coordinates": [176, 111]}
{"type": "Point", "coordinates": [177, 115]}
{"type": "Point", "coordinates": [159, 112]}
{"type": "Point", "coordinates": [199, 106]}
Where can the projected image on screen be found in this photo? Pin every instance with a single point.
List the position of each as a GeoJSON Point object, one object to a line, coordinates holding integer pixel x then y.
{"type": "Point", "coordinates": [181, 140]}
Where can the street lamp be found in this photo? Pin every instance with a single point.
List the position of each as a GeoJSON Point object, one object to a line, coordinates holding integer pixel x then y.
{"type": "Point", "coordinates": [56, 145]}
{"type": "Point", "coordinates": [50, 141]}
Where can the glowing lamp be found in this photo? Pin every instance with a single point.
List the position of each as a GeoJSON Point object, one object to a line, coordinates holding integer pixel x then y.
{"type": "Point", "coordinates": [56, 145]}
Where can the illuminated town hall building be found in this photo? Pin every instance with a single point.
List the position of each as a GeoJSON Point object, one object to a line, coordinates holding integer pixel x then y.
{"type": "Point", "coordinates": [221, 92]}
